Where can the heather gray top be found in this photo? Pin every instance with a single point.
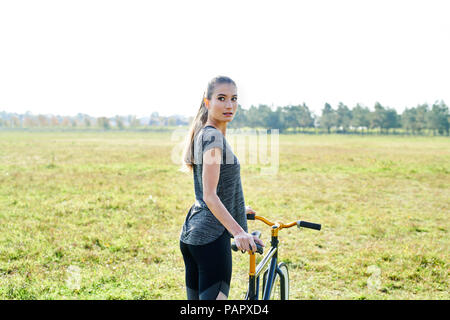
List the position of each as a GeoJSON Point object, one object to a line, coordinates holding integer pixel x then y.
{"type": "Point", "coordinates": [201, 226]}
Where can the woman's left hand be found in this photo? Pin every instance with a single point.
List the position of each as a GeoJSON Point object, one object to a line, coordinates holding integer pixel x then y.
{"type": "Point", "coordinates": [257, 240]}
{"type": "Point", "coordinates": [249, 209]}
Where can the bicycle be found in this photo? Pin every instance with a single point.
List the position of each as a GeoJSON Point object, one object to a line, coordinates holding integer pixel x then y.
{"type": "Point", "coordinates": [268, 264]}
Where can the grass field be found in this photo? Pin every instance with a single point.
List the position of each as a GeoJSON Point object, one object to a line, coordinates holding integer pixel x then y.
{"type": "Point", "coordinates": [112, 204]}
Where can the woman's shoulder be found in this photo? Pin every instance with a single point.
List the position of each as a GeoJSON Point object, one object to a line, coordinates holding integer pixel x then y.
{"type": "Point", "coordinates": [208, 137]}
{"type": "Point", "coordinates": [208, 132]}
{"type": "Point", "coordinates": [209, 129]}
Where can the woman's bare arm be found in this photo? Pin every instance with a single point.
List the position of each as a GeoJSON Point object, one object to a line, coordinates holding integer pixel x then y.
{"type": "Point", "coordinates": [211, 173]}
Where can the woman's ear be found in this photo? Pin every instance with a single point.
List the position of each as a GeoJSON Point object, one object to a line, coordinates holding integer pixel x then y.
{"type": "Point", "coordinates": [206, 102]}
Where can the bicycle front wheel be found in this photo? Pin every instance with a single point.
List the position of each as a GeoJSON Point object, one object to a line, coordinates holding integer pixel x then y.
{"type": "Point", "coordinates": [280, 288]}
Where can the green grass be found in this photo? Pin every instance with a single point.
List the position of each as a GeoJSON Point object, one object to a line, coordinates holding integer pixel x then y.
{"type": "Point", "coordinates": [83, 199]}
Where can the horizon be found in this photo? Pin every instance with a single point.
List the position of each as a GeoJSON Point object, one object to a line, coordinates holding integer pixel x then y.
{"type": "Point", "coordinates": [371, 108]}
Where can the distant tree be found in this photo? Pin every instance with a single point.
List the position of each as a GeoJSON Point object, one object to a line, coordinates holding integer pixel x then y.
{"type": "Point", "coordinates": [154, 119]}
{"type": "Point", "coordinates": [360, 117]}
{"type": "Point", "coordinates": [305, 117]}
{"type": "Point", "coordinates": [391, 119]}
{"type": "Point", "coordinates": [264, 114]}
{"type": "Point", "coordinates": [409, 119]}
{"type": "Point", "coordinates": [328, 118]}
{"type": "Point", "coordinates": [343, 117]}
{"type": "Point", "coordinates": [171, 121]}
{"type": "Point", "coordinates": [254, 117]}
{"type": "Point", "coordinates": [291, 116]}
{"type": "Point", "coordinates": [103, 122]}
{"type": "Point", "coordinates": [415, 119]}
{"type": "Point", "coordinates": [65, 122]}
{"type": "Point", "coordinates": [276, 120]}
{"type": "Point", "coordinates": [438, 118]}
{"type": "Point", "coordinates": [377, 119]}
{"type": "Point", "coordinates": [119, 122]}
{"type": "Point", "coordinates": [421, 117]}
{"type": "Point", "coordinates": [43, 121]}
{"type": "Point", "coordinates": [54, 121]}
{"type": "Point", "coordinates": [240, 118]}
{"type": "Point", "coordinates": [15, 122]}
{"type": "Point", "coordinates": [30, 122]}
{"type": "Point", "coordinates": [134, 122]}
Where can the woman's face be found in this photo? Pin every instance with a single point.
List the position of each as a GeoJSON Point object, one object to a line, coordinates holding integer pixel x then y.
{"type": "Point", "coordinates": [223, 104]}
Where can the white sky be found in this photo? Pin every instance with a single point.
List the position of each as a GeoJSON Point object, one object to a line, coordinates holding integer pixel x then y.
{"type": "Point", "coordinates": [136, 57]}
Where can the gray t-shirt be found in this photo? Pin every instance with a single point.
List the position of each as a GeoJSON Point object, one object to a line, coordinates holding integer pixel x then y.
{"type": "Point", "coordinates": [201, 226]}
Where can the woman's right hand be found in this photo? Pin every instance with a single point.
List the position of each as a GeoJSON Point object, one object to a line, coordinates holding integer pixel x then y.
{"type": "Point", "coordinates": [245, 241]}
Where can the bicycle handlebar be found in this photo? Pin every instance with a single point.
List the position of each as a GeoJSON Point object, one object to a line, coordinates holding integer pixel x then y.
{"type": "Point", "coordinates": [259, 248]}
{"type": "Point", "coordinates": [299, 223]}
{"type": "Point", "coordinates": [309, 225]}
{"type": "Point", "coordinates": [278, 225]}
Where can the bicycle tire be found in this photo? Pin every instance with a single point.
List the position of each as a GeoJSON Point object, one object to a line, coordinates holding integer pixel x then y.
{"type": "Point", "coordinates": [280, 287]}
{"type": "Point", "coordinates": [284, 294]}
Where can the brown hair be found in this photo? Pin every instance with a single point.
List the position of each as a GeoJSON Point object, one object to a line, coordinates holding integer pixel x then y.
{"type": "Point", "coordinates": [199, 121]}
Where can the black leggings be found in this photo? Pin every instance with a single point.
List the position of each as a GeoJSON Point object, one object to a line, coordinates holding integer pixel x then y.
{"type": "Point", "coordinates": [208, 268]}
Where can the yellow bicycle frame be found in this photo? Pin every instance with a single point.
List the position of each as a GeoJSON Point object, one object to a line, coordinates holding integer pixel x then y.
{"type": "Point", "coordinates": [276, 226]}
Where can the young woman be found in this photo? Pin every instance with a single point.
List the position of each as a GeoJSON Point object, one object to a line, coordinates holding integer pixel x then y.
{"type": "Point", "coordinates": [219, 210]}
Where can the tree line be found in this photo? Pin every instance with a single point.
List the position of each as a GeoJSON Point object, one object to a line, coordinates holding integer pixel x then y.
{"type": "Point", "coordinates": [422, 119]}
{"type": "Point", "coordinates": [85, 121]}
{"type": "Point", "coordinates": [419, 120]}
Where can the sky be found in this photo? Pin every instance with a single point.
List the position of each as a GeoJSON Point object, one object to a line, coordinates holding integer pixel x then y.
{"type": "Point", "coordinates": [107, 58]}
